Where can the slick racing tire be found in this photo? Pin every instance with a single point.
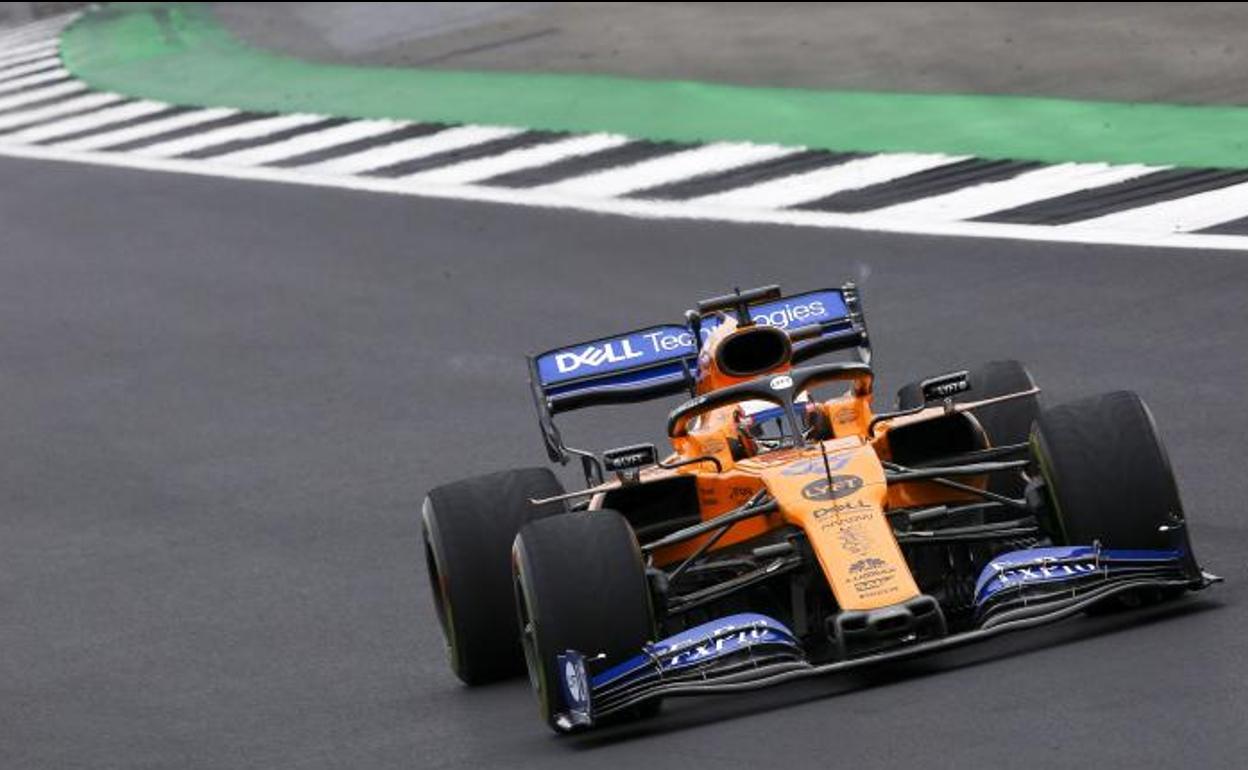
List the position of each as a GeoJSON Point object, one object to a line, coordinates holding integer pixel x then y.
{"type": "Point", "coordinates": [1006, 423]}
{"type": "Point", "coordinates": [580, 584]}
{"type": "Point", "coordinates": [1108, 477]}
{"type": "Point", "coordinates": [468, 528]}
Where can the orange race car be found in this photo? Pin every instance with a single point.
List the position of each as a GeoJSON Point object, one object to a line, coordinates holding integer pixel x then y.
{"type": "Point", "coordinates": [793, 531]}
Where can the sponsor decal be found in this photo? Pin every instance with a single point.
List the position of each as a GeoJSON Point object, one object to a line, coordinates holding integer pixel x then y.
{"type": "Point", "coordinates": [833, 488]}
{"type": "Point", "coordinates": [670, 342]}
{"type": "Point", "coordinates": [1058, 564]}
{"type": "Point", "coordinates": [873, 577]}
{"type": "Point", "coordinates": [648, 347]}
{"type": "Point", "coordinates": [949, 389]}
{"type": "Point", "coordinates": [630, 457]}
{"type": "Point", "coordinates": [630, 460]}
{"type": "Point", "coordinates": [815, 465]}
{"type": "Point", "coordinates": [722, 644]}
{"type": "Point", "coordinates": [868, 576]}
{"type": "Point", "coordinates": [783, 382]}
{"type": "Point", "coordinates": [837, 509]}
{"type": "Point", "coordinates": [697, 646]}
{"type": "Point", "coordinates": [740, 494]}
{"type": "Point", "coordinates": [596, 355]}
{"type": "Point", "coordinates": [868, 563]}
{"type": "Point", "coordinates": [718, 638]}
{"type": "Point", "coordinates": [1025, 574]}
{"type": "Point", "coordinates": [836, 516]}
{"type": "Point", "coordinates": [945, 386]}
{"type": "Point", "coordinates": [876, 586]}
{"type": "Point", "coordinates": [854, 539]}
{"type": "Point", "coordinates": [796, 314]}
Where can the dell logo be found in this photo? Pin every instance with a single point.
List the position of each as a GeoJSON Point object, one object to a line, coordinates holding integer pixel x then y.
{"type": "Point", "coordinates": [596, 355]}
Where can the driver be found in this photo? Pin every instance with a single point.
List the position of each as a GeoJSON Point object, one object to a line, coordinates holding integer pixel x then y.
{"type": "Point", "coordinates": [761, 425]}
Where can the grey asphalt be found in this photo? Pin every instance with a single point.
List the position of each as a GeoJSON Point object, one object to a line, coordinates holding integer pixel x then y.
{"type": "Point", "coordinates": [1169, 52]}
{"type": "Point", "coordinates": [20, 13]}
{"type": "Point", "coordinates": [222, 402]}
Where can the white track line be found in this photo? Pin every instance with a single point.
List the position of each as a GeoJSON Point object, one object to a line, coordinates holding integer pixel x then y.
{"type": "Point", "coordinates": [20, 41]}
{"type": "Point", "coordinates": [46, 29]}
{"type": "Point", "coordinates": [515, 160]}
{"type": "Point", "coordinates": [91, 120]}
{"type": "Point", "coordinates": [28, 67]}
{"type": "Point", "coordinates": [706, 159]}
{"type": "Point", "coordinates": [1181, 215]}
{"type": "Point", "coordinates": [1049, 182]}
{"type": "Point", "coordinates": [317, 140]}
{"type": "Point", "coordinates": [644, 209]}
{"type": "Point", "coordinates": [57, 21]}
{"type": "Point", "coordinates": [249, 130]}
{"type": "Point", "coordinates": [145, 129]}
{"type": "Point", "coordinates": [33, 80]}
{"type": "Point", "coordinates": [39, 25]}
{"type": "Point", "coordinates": [812, 185]}
{"type": "Point", "coordinates": [410, 149]}
{"type": "Point", "coordinates": [29, 53]}
{"type": "Point", "coordinates": [50, 26]}
{"type": "Point", "coordinates": [84, 102]}
{"type": "Point", "coordinates": [31, 48]}
{"type": "Point", "coordinates": [29, 97]}
{"type": "Point", "coordinates": [20, 38]}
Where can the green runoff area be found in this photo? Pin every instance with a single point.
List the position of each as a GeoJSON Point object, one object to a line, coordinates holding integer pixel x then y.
{"type": "Point", "coordinates": [180, 53]}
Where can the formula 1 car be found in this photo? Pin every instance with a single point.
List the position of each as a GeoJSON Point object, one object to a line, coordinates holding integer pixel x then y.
{"type": "Point", "coordinates": [792, 531]}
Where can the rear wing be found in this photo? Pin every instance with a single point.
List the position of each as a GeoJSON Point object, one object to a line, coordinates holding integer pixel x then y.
{"type": "Point", "coordinates": [660, 361]}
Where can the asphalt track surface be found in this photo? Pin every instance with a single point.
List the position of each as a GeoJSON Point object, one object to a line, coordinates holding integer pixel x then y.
{"type": "Point", "coordinates": [222, 402]}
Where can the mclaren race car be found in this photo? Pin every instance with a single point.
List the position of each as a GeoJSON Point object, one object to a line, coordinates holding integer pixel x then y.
{"type": "Point", "coordinates": [792, 531]}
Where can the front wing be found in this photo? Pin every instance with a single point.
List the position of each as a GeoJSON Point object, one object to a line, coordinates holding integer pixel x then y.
{"type": "Point", "coordinates": [748, 651]}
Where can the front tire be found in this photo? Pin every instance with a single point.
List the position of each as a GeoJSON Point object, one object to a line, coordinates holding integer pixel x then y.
{"type": "Point", "coordinates": [468, 528]}
{"type": "Point", "coordinates": [1108, 477]}
{"type": "Point", "coordinates": [580, 584]}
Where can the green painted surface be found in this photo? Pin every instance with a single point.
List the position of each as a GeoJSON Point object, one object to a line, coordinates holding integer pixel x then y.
{"type": "Point", "coordinates": [178, 52]}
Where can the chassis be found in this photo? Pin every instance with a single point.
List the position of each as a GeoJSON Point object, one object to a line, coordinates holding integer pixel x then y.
{"type": "Point", "coordinates": [793, 531]}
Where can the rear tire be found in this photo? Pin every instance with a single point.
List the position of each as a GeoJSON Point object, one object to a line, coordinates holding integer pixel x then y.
{"type": "Point", "coordinates": [1108, 477]}
{"type": "Point", "coordinates": [1006, 423]}
{"type": "Point", "coordinates": [468, 528]}
{"type": "Point", "coordinates": [580, 584]}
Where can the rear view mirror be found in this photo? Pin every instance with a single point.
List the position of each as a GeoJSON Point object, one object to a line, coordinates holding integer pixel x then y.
{"type": "Point", "coordinates": [937, 389]}
{"type": "Point", "coordinates": [627, 461]}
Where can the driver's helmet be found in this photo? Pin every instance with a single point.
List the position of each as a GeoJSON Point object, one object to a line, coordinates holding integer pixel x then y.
{"type": "Point", "coordinates": [763, 426]}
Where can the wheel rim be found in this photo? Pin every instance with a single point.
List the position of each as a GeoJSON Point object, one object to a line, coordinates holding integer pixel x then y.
{"type": "Point", "coordinates": [528, 632]}
{"type": "Point", "coordinates": [440, 590]}
{"type": "Point", "coordinates": [437, 587]}
{"type": "Point", "coordinates": [1040, 454]}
